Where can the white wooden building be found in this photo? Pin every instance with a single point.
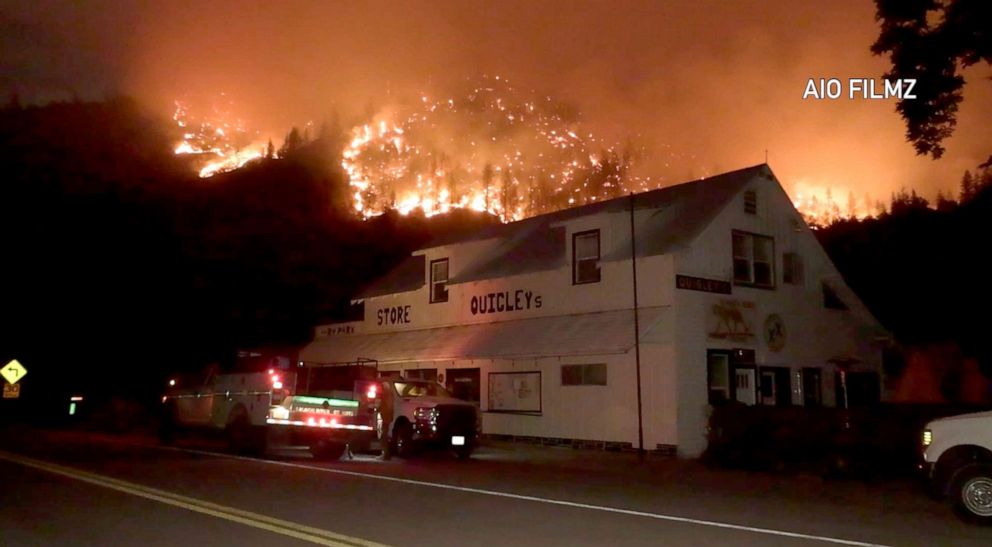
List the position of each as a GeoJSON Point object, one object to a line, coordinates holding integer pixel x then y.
{"type": "Point", "coordinates": [534, 320]}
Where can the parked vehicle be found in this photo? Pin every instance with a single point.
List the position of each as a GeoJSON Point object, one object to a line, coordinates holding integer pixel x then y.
{"type": "Point", "coordinates": [326, 407]}
{"type": "Point", "coordinates": [957, 462]}
{"type": "Point", "coordinates": [426, 415]}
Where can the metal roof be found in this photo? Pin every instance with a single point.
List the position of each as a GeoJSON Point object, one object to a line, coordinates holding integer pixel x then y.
{"type": "Point", "coordinates": [537, 244]}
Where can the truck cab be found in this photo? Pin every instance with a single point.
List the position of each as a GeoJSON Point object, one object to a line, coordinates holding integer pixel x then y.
{"type": "Point", "coordinates": [957, 463]}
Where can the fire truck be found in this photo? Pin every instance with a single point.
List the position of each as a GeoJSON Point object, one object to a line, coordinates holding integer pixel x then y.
{"type": "Point", "coordinates": [327, 407]}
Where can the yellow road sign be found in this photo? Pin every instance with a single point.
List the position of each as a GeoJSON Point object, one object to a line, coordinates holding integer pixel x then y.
{"type": "Point", "coordinates": [11, 391]}
{"type": "Point", "coordinates": [13, 372]}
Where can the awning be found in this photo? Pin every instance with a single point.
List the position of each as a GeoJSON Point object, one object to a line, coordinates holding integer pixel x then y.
{"type": "Point", "coordinates": [599, 333]}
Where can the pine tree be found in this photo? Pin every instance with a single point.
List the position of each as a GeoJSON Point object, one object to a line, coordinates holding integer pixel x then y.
{"type": "Point", "coordinates": [487, 182]}
{"type": "Point", "coordinates": [508, 195]}
{"type": "Point", "coordinates": [967, 187]}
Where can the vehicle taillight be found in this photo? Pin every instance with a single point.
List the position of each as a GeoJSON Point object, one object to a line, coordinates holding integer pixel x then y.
{"type": "Point", "coordinates": [371, 393]}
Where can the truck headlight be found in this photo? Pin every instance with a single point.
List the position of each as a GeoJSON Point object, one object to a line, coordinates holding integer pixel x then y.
{"type": "Point", "coordinates": [927, 437]}
{"type": "Point", "coordinates": [425, 414]}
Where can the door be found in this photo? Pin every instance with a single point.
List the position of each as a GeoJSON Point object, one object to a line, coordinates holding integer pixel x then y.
{"type": "Point", "coordinates": [464, 383]}
{"type": "Point", "coordinates": [775, 386]}
{"type": "Point", "coordinates": [745, 386]}
{"type": "Point", "coordinates": [768, 387]}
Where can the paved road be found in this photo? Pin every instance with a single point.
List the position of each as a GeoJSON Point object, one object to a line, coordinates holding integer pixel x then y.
{"type": "Point", "coordinates": [87, 489]}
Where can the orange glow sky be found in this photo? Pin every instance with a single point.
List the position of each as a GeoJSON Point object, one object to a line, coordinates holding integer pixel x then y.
{"type": "Point", "coordinates": [713, 84]}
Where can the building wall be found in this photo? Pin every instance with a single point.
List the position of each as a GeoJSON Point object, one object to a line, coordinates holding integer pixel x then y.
{"type": "Point", "coordinates": [813, 334]}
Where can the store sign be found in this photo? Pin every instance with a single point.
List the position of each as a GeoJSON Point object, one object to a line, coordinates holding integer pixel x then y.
{"type": "Point", "coordinates": [702, 284]}
{"type": "Point", "coordinates": [505, 301]}
{"type": "Point", "coordinates": [393, 315]}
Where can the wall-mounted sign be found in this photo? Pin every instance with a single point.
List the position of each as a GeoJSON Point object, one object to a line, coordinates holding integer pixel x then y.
{"type": "Point", "coordinates": [339, 329]}
{"type": "Point", "coordinates": [498, 302]}
{"type": "Point", "coordinates": [701, 284]}
{"type": "Point", "coordinates": [394, 315]}
{"type": "Point", "coordinates": [731, 320]}
{"type": "Point", "coordinates": [774, 332]}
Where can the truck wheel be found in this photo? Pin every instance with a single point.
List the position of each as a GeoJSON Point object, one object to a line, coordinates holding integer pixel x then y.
{"type": "Point", "coordinates": [403, 440]}
{"type": "Point", "coordinates": [167, 428]}
{"type": "Point", "coordinates": [243, 438]}
{"type": "Point", "coordinates": [971, 493]}
{"type": "Point", "coordinates": [465, 451]}
{"type": "Point", "coordinates": [327, 451]}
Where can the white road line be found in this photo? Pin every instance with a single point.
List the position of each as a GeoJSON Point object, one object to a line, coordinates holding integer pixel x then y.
{"type": "Point", "coordinates": [496, 493]}
{"type": "Point", "coordinates": [248, 518]}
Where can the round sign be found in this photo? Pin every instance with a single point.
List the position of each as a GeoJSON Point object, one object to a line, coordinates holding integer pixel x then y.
{"type": "Point", "coordinates": [774, 332]}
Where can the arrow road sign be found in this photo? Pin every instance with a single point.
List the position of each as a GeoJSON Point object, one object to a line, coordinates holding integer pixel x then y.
{"type": "Point", "coordinates": [13, 371]}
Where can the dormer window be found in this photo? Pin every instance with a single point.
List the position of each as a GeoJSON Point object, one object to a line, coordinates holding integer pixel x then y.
{"type": "Point", "coordinates": [585, 257]}
{"type": "Point", "coordinates": [439, 280]}
{"type": "Point", "coordinates": [751, 202]}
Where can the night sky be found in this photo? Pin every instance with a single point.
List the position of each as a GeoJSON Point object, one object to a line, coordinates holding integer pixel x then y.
{"type": "Point", "coordinates": [704, 86]}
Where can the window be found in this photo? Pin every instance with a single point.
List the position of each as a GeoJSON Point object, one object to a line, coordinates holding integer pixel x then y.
{"type": "Point", "coordinates": [792, 269]}
{"type": "Point", "coordinates": [583, 375]}
{"type": "Point", "coordinates": [718, 374]}
{"type": "Point", "coordinates": [831, 300]}
{"type": "Point", "coordinates": [751, 202]}
{"type": "Point", "coordinates": [754, 260]}
{"type": "Point", "coordinates": [585, 257]}
{"type": "Point", "coordinates": [439, 280]}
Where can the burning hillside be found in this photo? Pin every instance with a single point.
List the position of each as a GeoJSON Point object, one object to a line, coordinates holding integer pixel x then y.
{"type": "Point", "coordinates": [487, 147]}
{"type": "Point", "coordinates": [492, 147]}
{"type": "Point", "coordinates": [219, 139]}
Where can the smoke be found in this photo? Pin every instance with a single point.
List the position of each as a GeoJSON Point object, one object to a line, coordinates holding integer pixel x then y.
{"type": "Point", "coordinates": [703, 86]}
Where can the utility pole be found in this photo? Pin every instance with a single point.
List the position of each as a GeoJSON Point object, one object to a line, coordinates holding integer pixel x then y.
{"type": "Point", "coordinates": [637, 335]}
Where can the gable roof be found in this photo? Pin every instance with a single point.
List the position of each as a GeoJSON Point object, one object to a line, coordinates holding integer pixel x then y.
{"type": "Point", "coordinates": [537, 244]}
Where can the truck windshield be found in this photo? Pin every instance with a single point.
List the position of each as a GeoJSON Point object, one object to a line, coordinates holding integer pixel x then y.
{"type": "Point", "coordinates": [420, 389]}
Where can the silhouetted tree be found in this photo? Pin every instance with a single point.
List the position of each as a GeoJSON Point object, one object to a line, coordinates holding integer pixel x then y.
{"type": "Point", "coordinates": [487, 182]}
{"type": "Point", "coordinates": [292, 143]}
{"type": "Point", "coordinates": [933, 42]}
{"type": "Point", "coordinates": [967, 187]}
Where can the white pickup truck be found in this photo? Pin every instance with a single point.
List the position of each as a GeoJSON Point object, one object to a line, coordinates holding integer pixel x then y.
{"type": "Point", "coordinates": [426, 415]}
{"type": "Point", "coordinates": [957, 461]}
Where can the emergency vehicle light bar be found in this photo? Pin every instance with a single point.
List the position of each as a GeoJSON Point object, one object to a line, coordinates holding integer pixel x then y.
{"type": "Point", "coordinates": [318, 401]}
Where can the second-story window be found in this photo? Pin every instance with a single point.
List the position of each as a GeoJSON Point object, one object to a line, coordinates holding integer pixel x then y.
{"type": "Point", "coordinates": [754, 260]}
{"type": "Point", "coordinates": [792, 269]}
{"type": "Point", "coordinates": [439, 280]}
{"type": "Point", "coordinates": [585, 257]}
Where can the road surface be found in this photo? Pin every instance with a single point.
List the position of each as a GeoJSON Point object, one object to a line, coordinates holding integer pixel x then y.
{"type": "Point", "coordinates": [75, 488]}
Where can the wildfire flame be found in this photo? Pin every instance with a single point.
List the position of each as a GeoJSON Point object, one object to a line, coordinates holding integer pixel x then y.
{"type": "Point", "coordinates": [818, 206]}
{"type": "Point", "coordinates": [220, 141]}
{"type": "Point", "coordinates": [492, 148]}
